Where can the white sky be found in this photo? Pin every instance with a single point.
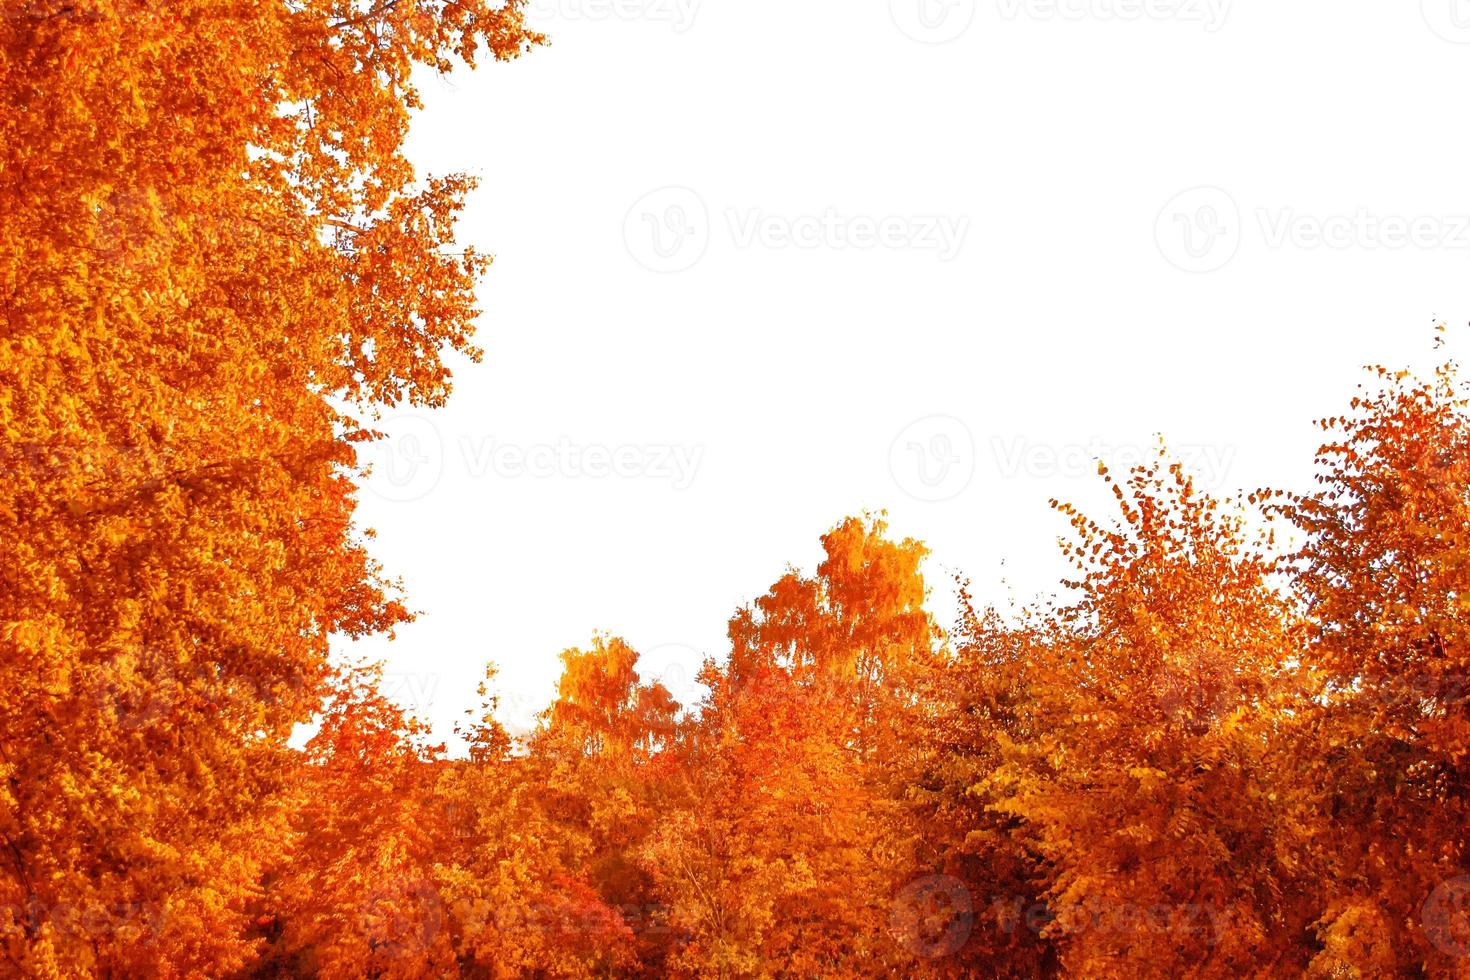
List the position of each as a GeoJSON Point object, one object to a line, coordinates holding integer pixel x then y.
{"type": "Point", "coordinates": [1032, 291]}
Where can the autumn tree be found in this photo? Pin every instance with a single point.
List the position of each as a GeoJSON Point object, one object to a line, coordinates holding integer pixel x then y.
{"type": "Point", "coordinates": [357, 896]}
{"type": "Point", "coordinates": [974, 903]}
{"type": "Point", "coordinates": [1385, 576]}
{"type": "Point", "coordinates": [218, 268]}
{"type": "Point", "coordinates": [783, 861]}
{"type": "Point", "coordinates": [215, 260]}
{"type": "Point", "coordinates": [602, 757]}
{"type": "Point", "coordinates": [539, 879]}
{"type": "Point", "coordinates": [1142, 781]}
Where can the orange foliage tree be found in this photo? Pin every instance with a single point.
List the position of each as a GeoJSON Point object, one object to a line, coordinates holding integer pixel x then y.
{"type": "Point", "coordinates": [214, 260]}
{"type": "Point", "coordinates": [359, 898]}
{"type": "Point", "coordinates": [783, 859]}
{"type": "Point", "coordinates": [1142, 782]}
{"type": "Point", "coordinates": [974, 905]}
{"type": "Point", "coordinates": [516, 898]}
{"type": "Point", "coordinates": [217, 266]}
{"type": "Point", "coordinates": [1384, 774]}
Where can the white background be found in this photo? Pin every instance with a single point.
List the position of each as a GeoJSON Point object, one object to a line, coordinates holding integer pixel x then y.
{"type": "Point", "coordinates": [1075, 319]}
